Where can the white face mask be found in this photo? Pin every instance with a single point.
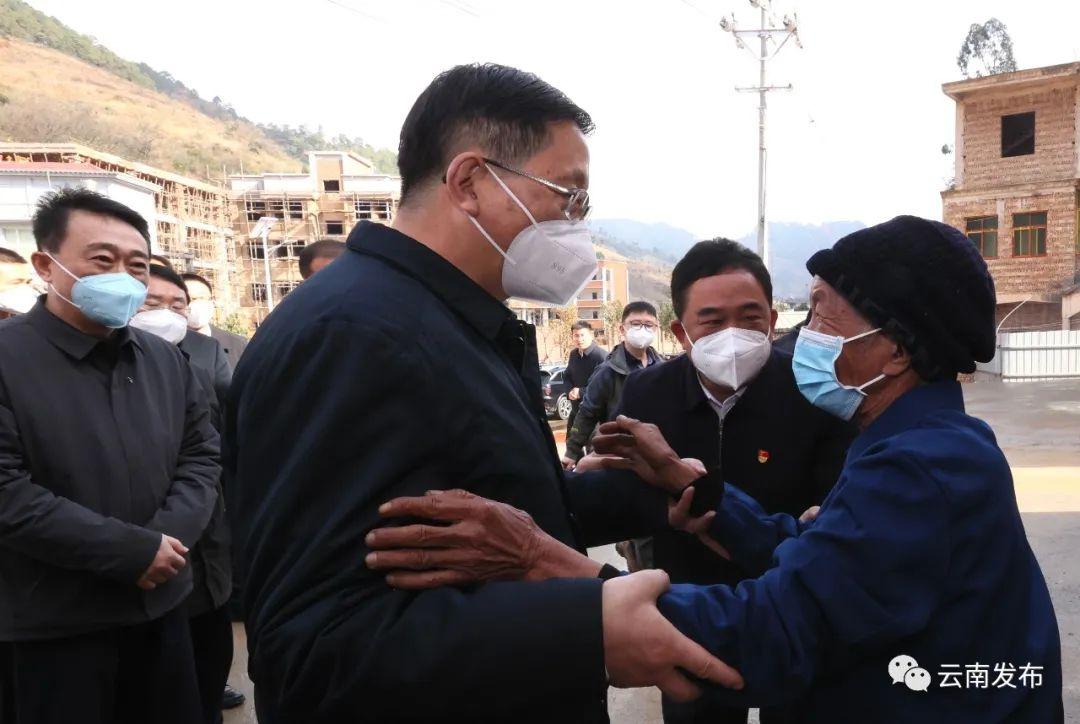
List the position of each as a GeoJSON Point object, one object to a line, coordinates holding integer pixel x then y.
{"type": "Point", "coordinates": [731, 357]}
{"type": "Point", "coordinates": [200, 313]}
{"type": "Point", "coordinates": [164, 323]}
{"type": "Point", "coordinates": [18, 300]}
{"type": "Point", "coordinates": [640, 338]}
{"type": "Point", "coordinates": [549, 261]}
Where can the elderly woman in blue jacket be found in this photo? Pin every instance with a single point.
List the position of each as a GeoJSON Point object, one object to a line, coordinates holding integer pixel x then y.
{"type": "Point", "coordinates": [913, 596]}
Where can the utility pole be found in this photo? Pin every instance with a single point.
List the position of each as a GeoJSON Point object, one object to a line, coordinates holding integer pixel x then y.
{"type": "Point", "coordinates": [766, 32]}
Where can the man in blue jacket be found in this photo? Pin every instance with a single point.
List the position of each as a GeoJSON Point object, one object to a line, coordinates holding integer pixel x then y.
{"type": "Point", "coordinates": [914, 595]}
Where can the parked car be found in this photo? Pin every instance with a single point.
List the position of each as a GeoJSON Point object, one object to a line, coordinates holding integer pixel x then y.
{"type": "Point", "coordinates": [556, 403]}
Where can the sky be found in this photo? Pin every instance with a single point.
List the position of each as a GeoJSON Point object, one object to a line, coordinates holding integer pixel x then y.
{"type": "Point", "coordinates": [858, 138]}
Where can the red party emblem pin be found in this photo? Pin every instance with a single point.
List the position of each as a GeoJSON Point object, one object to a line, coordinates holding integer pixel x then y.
{"type": "Point", "coordinates": [763, 456]}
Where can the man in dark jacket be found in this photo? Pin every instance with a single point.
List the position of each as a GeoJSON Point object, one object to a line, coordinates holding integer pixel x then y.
{"type": "Point", "coordinates": [604, 389]}
{"type": "Point", "coordinates": [586, 356]}
{"type": "Point", "coordinates": [201, 316]}
{"type": "Point", "coordinates": [108, 474]}
{"type": "Point", "coordinates": [208, 618]}
{"type": "Point", "coordinates": [713, 405]}
{"type": "Point", "coordinates": [341, 403]}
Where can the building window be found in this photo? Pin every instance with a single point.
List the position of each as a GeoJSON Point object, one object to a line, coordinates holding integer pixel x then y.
{"type": "Point", "coordinates": [982, 230]}
{"type": "Point", "coordinates": [331, 186]}
{"type": "Point", "coordinates": [258, 292]}
{"type": "Point", "coordinates": [1018, 134]}
{"type": "Point", "coordinates": [296, 209]}
{"type": "Point", "coordinates": [373, 209]}
{"type": "Point", "coordinates": [255, 210]}
{"type": "Point", "coordinates": [596, 315]}
{"type": "Point", "coordinates": [335, 228]}
{"type": "Point", "coordinates": [282, 289]}
{"type": "Point", "coordinates": [594, 295]}
{"type": "Point", "coordinates": [1029, 234]}
{"type": "Point", "coordinates": [255, 250]}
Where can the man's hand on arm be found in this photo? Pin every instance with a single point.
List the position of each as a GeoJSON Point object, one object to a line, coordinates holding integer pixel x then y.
{"type": "Point", "coordinates": [473, 540]}
{"type": "Point", "coordinates": [642, 648]}
{"type": "Point", "coordinates": [628, 444]}
{"type": "Point", "coordinates": [168, 561]}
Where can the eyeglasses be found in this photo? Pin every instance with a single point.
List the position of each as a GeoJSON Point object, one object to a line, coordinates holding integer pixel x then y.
{"type": "Point", "coordinates": [644, 325]}
{"type": "Point", "coordinates": [577, 207]}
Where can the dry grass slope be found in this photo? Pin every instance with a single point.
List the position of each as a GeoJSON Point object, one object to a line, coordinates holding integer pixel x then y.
{"type": "Point", "coordinates": [48, 96]}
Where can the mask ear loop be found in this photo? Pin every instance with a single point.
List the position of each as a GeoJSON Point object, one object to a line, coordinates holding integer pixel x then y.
{"type": "Point", "coordinates": [515, 199]}
{"type": "Point", "coordinates": [510, 193]}
{"type": "Point", "coordinates": [880, 377]}
{"type": "Point", "coordinates": [66, 271]}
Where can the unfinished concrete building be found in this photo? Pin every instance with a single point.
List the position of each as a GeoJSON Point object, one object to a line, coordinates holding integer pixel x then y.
{"type": "Point", "coordinates": [192, 218]}
{"type": "Point", "coordinates": [339, 190]}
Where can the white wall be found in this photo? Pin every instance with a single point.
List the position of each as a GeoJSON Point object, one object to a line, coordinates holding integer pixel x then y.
{"type": "Point", "coordinates": [371, 184]}
{"type": "Point", "coordinates": [19, 194]}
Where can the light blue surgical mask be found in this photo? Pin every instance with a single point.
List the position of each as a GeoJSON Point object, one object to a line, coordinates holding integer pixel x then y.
{"type": "Point", "coordinates": [814, 365]}
{"type": "Point", "coordinates": [111, 299]}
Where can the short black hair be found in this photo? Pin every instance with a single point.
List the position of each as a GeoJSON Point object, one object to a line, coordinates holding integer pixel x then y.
{"type": "Point", "coordinates": [54, 208]}
{"type": "Point", "coordinates": [712, 257]}
{"type": "Point", "coordinates": [169, 274]}
{"type": "Point", "coordinates": [322, 249]}
{"type": "Point", "coordinates": [580, 324]}
{"type": "Point", "coordinates": [8, 256]}
{"type": "Point", "coordinates": [634, 307]}
{"type": "Point", "coordinates": [503, 110]}
{"type": "Point", "coordinates": [161, 260]}
{"type": "Point", "coordinates": [193, 277]}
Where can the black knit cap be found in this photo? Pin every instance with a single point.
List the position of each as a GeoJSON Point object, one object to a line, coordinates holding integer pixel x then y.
{"type": "Point", "coordinates": [925, 284]}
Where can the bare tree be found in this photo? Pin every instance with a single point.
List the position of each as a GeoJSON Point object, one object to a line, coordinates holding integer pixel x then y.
{"type": "Point", "coordinates": [987, 50]}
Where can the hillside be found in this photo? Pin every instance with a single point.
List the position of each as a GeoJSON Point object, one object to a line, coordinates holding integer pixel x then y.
{"type": "Point", "coordinates": [59, 85]}
{"type": "Point", "coordinates": [46, 95]}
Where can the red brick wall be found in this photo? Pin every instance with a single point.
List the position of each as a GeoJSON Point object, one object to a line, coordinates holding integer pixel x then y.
{"type": "Point", "coordinates": [1055, 138]}
{"type": "Point", "coordinates": [1026, 275]}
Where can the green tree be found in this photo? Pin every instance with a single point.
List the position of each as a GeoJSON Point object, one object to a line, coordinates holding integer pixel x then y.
{"type": "Point", "coordinates": [987, 50]}
{"type": "Point", "coordinates": [237, 324]}
{"type": "Point", "coordinates": [562, 326]}
{"type": "Point", "coordinates": [666, 314]}
{"type": "Point", "coordinates": [612, 318]}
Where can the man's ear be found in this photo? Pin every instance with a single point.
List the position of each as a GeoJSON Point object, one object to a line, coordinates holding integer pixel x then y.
{"type": "Point", "coordinates": [42, 266]}
{"type": "Point", "coordinates": [773, 316]}
{"type": "Point", "coordinates": [899, 360]}
{"type": "Point", "coordinates": [461, 176]}
{"type": "Point", "coordinates": [680, 334]}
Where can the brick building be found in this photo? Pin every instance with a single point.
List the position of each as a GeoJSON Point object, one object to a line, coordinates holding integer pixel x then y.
{"type": "Point", "coordinates": [1016, 190]}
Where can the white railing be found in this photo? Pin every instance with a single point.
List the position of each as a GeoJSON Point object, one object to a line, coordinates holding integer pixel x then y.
{"type": "Point", "coordinates": [1035, 355]}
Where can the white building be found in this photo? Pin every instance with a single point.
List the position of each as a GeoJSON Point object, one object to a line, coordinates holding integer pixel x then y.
{"type": "Point", "coordinates": [22, 184]}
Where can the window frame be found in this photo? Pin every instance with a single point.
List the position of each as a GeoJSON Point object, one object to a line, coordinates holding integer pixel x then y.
{"type": "Point", "coordinates": [982, 232]}
{"type": "Point", "coordinates": [1017, 227]}
{"type": "Point", "coordinates": [1005, 119]}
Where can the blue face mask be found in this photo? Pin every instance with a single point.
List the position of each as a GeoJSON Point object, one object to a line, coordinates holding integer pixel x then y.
{"type": "Point", "coordinates": [814, 365]}
{"type": "Point", "coordinates": [111, 300]}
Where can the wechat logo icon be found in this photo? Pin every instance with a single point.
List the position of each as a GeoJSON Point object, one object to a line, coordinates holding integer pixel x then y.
{"type": "Point", "coordinates": [905, 670]}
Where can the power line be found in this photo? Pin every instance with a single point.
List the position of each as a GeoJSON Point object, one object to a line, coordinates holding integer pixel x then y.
{"type": "Point", "coordinates": [358, 11]}
{"type": "Point", "coordinates": [462, 6]}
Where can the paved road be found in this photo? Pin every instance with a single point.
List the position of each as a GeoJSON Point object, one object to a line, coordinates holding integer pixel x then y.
{"type": "Point", "coordinates": [1038, 426]}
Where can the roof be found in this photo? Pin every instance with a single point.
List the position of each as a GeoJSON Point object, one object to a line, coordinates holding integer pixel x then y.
{"type": "Point", "coordinates": [1049, 74]}
{"type": "Point", "coordinates": [82, 170]}
{"type": "Point", "coordinates": [80, 150]}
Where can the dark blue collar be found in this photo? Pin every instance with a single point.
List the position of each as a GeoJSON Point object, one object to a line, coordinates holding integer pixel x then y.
{"type": "Point", "coordinates": [483, 311]}
{"type": "Point", "coordinates": [69, 340]}
{"type": "Point", "coordinates": [904, 413]}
